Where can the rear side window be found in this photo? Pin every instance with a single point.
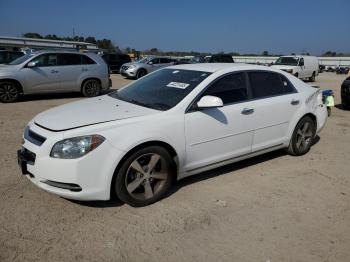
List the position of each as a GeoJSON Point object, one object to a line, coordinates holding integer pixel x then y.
{"type": "Point", "coordinates": [70, 59]}
{"type": "Point", "coordinates": [165, 60]}
{"type": "Point", "coordinates": [87, 60]}
{"type": "Point", "coordinates": [266, 84]}
{"type": "Point", "coordinates": [231, 88]}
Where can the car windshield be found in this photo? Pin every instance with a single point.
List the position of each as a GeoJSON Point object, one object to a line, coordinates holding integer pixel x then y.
{"type": "Point", "coordinates": [21, 59]}
{"type": "Point", "coordinates": [293, 61]}
{"type": "Point", "coordinates": [162, 89]}
{"type": "Point", "coordinates": [144, 60]}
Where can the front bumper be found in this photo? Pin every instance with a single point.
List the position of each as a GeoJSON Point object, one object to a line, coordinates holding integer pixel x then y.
{"type": "Point", "coordinates": [129, 72]}
{"type": "Point", "coordinates": [85, 178]}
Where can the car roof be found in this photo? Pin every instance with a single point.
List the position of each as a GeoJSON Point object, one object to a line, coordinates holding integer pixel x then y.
{"type": "Point", "coordinates": [57, 51]}
{"type": "Point", "coordinates": [215, 67]}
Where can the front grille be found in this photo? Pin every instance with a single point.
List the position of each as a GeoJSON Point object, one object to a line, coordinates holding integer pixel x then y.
{"type": "Point", "coordinates": [33, 137]}
{"type": "Point", "coordinates": [125, 67]}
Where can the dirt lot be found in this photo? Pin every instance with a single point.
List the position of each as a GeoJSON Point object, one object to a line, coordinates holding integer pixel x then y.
{"type": "Point", "coordinates": [271, 208]}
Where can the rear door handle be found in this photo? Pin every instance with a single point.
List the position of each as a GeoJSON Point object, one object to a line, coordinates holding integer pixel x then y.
{"type": "Point", "coordinates": [295, 102]}
{"type": "Point", "coordinates": [54, 71]}
{"type": "Point", "coordinates": [247, 111]}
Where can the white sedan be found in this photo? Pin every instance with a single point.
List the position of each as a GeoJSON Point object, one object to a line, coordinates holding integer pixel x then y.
{"type": "Point", "coordinates": [176, 122]}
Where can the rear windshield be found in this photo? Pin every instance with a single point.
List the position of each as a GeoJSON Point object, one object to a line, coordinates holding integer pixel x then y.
{"type": "Point", "coordinates": [161, 90]}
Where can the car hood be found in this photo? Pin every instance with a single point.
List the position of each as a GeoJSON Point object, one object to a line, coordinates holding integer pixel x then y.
{"type": "Point", "coordinates": [283, 67]}
{"type": "Point", "coordinates": [5, 67]}
{"type": "Point", "coordinates": [89, 112]}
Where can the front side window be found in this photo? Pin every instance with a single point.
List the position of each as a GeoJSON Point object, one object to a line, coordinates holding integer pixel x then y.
{"type": "Point", "coordinates": [162, 89]}
{"type": "Point", "coordinates": [287, 60]}
{"type": "Point", "coordinates": [267, 84]}
{"type": "Point", "coordinates": [45, 60]}
{"type": "Point", "coordinates": [231, 88]}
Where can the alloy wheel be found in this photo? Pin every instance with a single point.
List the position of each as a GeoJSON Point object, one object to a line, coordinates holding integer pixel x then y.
{"type": "Point", "coordinates": [304, 136]}
{"type": "Point", "coordinates": [92, 88]}
{"type": "Point", "coordinates": [146, 176]}
{"type": "Point", "coordinates": [8, 92]}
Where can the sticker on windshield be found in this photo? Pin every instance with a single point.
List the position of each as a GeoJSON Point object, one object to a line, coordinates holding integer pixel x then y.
{"type": "Point", "coordinates": [176, 71]}
{"type": "Point", "coordinates": [178, 85]}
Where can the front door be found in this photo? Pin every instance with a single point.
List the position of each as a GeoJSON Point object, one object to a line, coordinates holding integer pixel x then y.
{"type": "Point", "coordinates": [218, 134]}
{"type": "Point", "coordinates": [44, 76]}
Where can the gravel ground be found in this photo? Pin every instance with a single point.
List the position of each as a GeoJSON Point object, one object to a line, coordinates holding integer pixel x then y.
{"type": "Point", "coordinates": [273, 207]}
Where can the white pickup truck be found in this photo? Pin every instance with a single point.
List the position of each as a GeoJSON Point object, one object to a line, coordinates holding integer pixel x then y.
{"type": "Point", "coordinates": [303, 67]}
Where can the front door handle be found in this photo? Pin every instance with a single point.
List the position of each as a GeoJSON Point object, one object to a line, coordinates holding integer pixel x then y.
{"type": "Point", "coordinates": [295, 102]}
{"type": "Point", "coordinates": [247, 111]}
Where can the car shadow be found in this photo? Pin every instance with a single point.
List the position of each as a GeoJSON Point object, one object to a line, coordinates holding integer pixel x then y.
{"type": "Point", "coordinates": [341, 107]}
{"type": "Point", "coordinates": [225, 170]}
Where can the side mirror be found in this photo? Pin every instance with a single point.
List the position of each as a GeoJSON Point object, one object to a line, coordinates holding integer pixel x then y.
{"type": "Point", "coordinates": [209, 102]}
{"type": "Point", "coordinates": [150, 63]}
{"type": "Point", "coordinates": [31, 64]}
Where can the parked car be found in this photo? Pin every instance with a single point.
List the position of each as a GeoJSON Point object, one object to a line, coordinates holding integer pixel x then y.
{"type": "Point", "coordinates": [303, 67]}
{"type": "Point", "coordinates": [345, 93]}
{"type": "Point", "coordinates": [321, 68]}
{"type": "Point", "coordinates": [145, 66]}
{"type": "Point", "coordinates": [330, 69]}
{"type": "Point", "coordinates": [115, 61]}
{"type": "Point", "coordinates": [173, 123]}
{"type": "Point", "coordinates": [221, 58]}
{"type": "Point", "coordinates": [52, 72]}
{"type": "Point", "coordinates": [8, 56]}
{"type": "Point", "coordinates": [342, 70]}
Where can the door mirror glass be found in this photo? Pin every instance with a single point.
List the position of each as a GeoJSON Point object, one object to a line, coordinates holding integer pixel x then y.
{"type": "Point", "coordinates": [301, 63]}
{"type": "Point", "coordinates": [210, 102]}
{"type": "Point", "coordinates": [31, 64]}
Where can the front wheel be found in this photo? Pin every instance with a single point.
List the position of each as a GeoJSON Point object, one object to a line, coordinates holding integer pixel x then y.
{"type": "Point", "coordinates": [91, 88]}
{"type": "Point", "coordinates": [145, 176]}
{"type": "Point", "coordinates": [302, 137]}
{"type": "Point", "coordinates": [141, 73]}
{"type": "Point", "coordinates": [8, 92]}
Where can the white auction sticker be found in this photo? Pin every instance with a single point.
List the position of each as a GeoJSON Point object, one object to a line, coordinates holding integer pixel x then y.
{"type": "Point", "coordinates": [178, 85]}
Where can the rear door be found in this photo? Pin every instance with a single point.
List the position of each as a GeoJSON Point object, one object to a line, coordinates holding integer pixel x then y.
{"type": "Point", "coordinates": [70, 71]}
{"type": "Point", "coordinates": [44, 77]}
{"type": "Point", "coordinates": [276, 101]}
{"type": "Point", "coordinates": [166, 62]}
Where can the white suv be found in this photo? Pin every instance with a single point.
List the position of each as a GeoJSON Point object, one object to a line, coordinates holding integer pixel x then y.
{"type": "Point", "coordinates": [53, 71]}
{"type": "Point", "coordinates": [172, 123]}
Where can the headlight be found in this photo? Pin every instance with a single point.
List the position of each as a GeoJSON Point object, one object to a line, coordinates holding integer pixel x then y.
{"type": "Point", "coordinates": [132, 66]}
{"type": "Point", "coordinates": [76, 147]}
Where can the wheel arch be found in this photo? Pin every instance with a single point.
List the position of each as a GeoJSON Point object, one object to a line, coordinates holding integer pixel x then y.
{"type": "Point", "coordinates": [18, 83]}
{"type": "Point", "coordinates": [165, 145]}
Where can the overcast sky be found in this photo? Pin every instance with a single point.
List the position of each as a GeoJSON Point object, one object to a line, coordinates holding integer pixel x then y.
{"type": "Point", "coordinates": [249, 26]}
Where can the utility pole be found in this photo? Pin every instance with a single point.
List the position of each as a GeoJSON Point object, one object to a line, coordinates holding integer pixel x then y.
{"type": "Point", "coordinates": [73, 32]}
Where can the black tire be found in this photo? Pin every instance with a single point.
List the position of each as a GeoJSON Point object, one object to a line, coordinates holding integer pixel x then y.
{"type": "Point", "coordinates": [9, 92]}
{"type": "Point", "coordinates": [302, 140]}
{"type": "Point", "coordinates": [130, 184]}
{"type": "Point", "coordinates": [141, 73]}
{"type": "Point", "coordinates": [313, 77]}
{"type": "Point", "coordinates": [296, 75]}
{"type": "Point", "coordinates": [91, 88]}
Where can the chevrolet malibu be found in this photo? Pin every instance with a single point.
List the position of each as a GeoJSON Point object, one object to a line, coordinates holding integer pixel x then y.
{"type": "Point", "coordinates": [173, 123]}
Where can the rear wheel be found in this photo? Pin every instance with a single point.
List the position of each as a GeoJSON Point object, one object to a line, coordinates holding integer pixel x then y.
{"type": "Point", "coordinates": [302, 137]}
{"type": "Point", "coordinates": [9, 92]}
{"type": "Point", "coordinates": [91, 88]}
{"type": "Point", "coordinates": [145, 176]}
{"type": "Point", "coordinates": [141, 73]}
